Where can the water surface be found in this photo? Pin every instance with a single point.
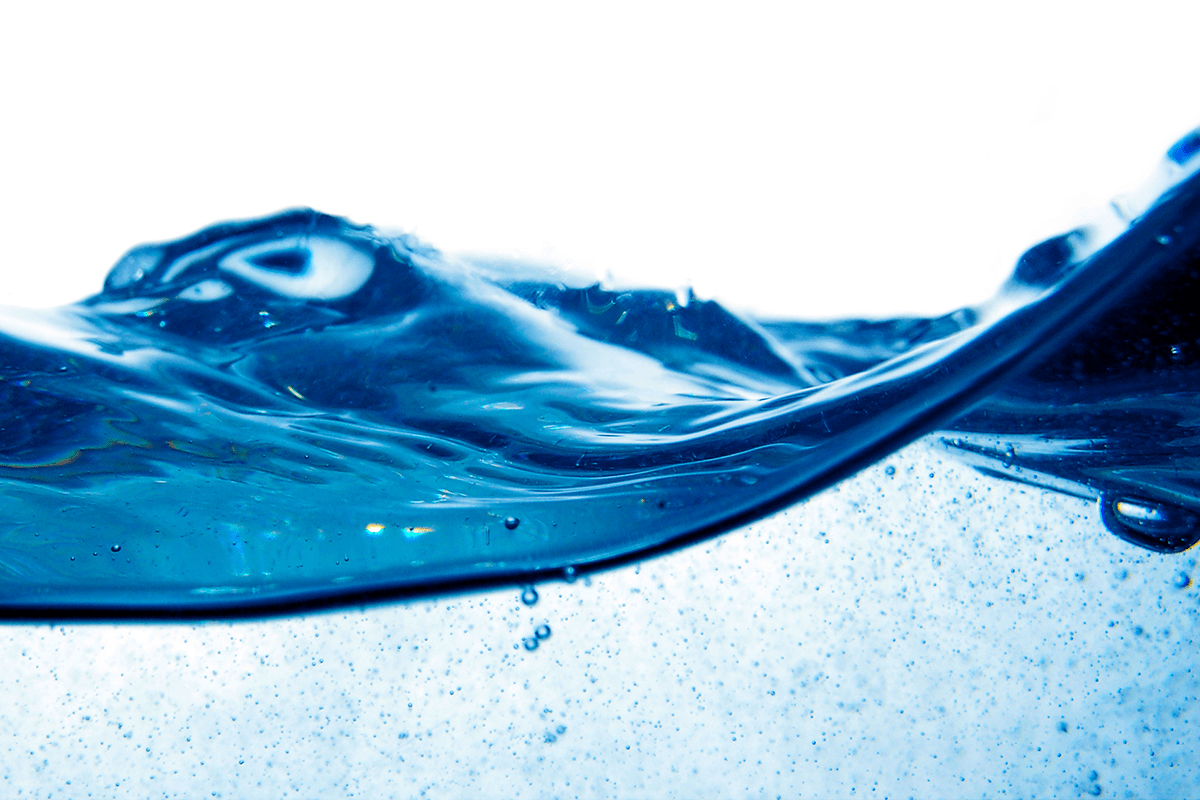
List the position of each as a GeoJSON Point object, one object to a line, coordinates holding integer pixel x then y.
{"type": "Point", "coordinates": [298, 410]}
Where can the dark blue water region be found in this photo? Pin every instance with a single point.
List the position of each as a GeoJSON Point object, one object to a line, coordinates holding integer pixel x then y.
{"type": "Point", "coordinates": [292, 412]}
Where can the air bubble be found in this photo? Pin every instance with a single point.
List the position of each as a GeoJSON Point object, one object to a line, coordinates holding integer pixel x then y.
{"type": "Point", "coordinates": [569, 574]}
{"type": "Point", "coordinates": [542, 631]}
{"type": "Point", "coordinates": [1182, 580]}
{"type": "Point", "coordinates": [531, 643]}
{"type": "Point", "coordinates": [889, 470]}
{"type": "Point", "coordinates": [511, 523]}
{"type": "Point", "coordinates": [1010, 455]}
{"type": "Point", "coordinates": [529, 596]}
{"type": "Point", "coordinates": [1149, 524]}
{"type": "Point", "coordinates": [116, 548]}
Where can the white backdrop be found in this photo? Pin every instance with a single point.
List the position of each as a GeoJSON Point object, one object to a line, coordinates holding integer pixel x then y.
{"type": "Point", "coordinates": [804, 160]}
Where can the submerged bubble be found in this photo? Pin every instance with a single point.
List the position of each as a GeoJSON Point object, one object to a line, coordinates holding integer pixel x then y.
{"type": "Point", "coordinates": [1150, 524]}
{"type": "Point", "coordinates": [511, 523]}
{"type": "Point", "coordinates": [542, 632]}
{"type": "Point", "coordinates": [530, 642]}
{"type": "Point", "coordinates": [116, 548]}
{"type": "Point", "coordinates": [529, 596]}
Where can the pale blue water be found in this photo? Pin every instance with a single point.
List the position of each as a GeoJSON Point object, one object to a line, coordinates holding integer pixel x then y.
{"type": "Point", "coordinates": [297, 410]}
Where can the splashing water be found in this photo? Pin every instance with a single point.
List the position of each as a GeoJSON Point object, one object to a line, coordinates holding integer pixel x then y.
{"type": "Point", "coordinates": [297, 410]}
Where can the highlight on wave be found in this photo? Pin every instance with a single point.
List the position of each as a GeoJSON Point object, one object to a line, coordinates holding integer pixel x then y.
{"type": "Point", "coordinates": [297, 410]}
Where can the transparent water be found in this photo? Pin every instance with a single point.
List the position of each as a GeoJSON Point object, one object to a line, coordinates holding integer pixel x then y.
{"type": "Point", "coordinates": [295, 410]}
{"type": "Point", "coordinates": [916, 629]}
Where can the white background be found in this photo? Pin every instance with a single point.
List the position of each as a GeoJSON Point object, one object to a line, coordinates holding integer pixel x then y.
{"type": "Point", "coordinates": [804, 160]}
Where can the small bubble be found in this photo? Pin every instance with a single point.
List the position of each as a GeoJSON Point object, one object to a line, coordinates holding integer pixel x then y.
{"type": "Point", "coordinates": [1164, 239]}
{"type": "Point", "coordinates": [511, 523]}
{"type": "Point", "coordinates": [530, 642]}
{"type": "Point", "coordinates": [116, 548]}
{"type": "Point", "coordinates": [560, 730]}
{"type": "Point", "coordinates": [1062, 727]}
{"type": "Point", "coordinates": [1095, 791]}
{"type": "Point", "coordinates": [1093, 776]}
{"type": "Point", "coordinates": [569, 574]}
{"type": "Point", "coordinates": [551, 738]}
{"type": "Point", "coordinates": [889, 470]}
{"type": "Point", "coordinates": [529, 596]}
{"type": "Point", "coordinates": [72, 558]}
{"type": "Point", "coordinates": [542, 631]}
{"type": "Point", "coordinates": [1182, 580]}
{"type": "Point", "coordinates": [1010, 455]}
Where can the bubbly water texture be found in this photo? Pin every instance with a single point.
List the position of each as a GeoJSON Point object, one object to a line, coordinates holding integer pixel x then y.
{"type": "Point", "coordinates": [296, 410]}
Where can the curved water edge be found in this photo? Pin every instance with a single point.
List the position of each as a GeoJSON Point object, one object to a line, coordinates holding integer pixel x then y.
{"type": "Point", "coordinates": [296, 411]}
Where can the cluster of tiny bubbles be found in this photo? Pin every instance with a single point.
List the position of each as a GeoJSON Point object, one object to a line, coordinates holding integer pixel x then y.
{"type": "Point", "coordinates": [539, 633]}
{"type": "Point", "coordinates": [511, 523]}
{"type": "Point", "coordinates": [529, 596]}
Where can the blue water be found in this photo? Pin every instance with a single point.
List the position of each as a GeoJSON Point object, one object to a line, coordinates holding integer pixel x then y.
{"type": "Point", "coordinates": [297, 410]}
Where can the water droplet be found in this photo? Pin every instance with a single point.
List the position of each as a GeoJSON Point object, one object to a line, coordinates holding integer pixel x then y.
{"type": "Point", "coordinates": [511, 523]}
{"type": "Point", "coordinates": [116, 548]}
{"type": "Point", "coordinates": [529, 596]}
{"type": "Point", "coordinates": [1149, 524]}
{"type": "Point", "coordinates": [542, 631]}
{"type": "Point", "coordinates": [530, 642]}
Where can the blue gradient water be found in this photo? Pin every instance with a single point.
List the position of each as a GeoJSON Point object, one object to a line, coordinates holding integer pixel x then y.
{"type": "Point", "coordinates": [298, 410]}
